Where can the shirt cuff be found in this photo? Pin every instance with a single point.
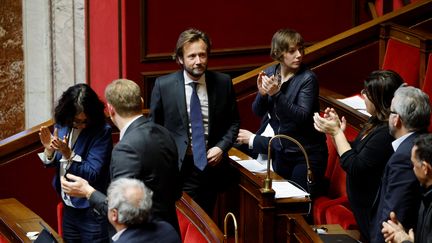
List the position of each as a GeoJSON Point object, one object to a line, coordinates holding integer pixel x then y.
{"type": "Point", "coordinates": [251, 140]}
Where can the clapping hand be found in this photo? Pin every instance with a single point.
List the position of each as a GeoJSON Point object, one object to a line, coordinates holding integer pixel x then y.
{"type": "Point", "coordinates": [267, 85]}
{"type": "Point", "coordinates": [329, 123]}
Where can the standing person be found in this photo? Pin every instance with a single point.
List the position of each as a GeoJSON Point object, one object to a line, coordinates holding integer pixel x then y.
{"type": "Point", "coordinates": [129, 212]}
{"type": "Point", "coordinates": [368, 154]}
{"type": "Point", "coordinates": [199, 108]}
{"type": "Point", "coordinates": [399, 190]}
{"type": "Point", "coordinates": [421, 158]}
{"type": "Point", "coordinates": [146, 151]}
{"type": "Point", "coordinates": [288, 92]}
{"type": "Point", "coordinates": [81, 144]}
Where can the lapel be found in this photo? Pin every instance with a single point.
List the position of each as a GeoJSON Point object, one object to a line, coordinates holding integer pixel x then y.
{"type": "Point", "coordinates": [211, 95]}
{"type": "Point", "coordinates": [180, 98]}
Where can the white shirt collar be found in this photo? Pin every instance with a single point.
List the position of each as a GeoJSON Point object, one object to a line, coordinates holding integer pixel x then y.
{"type": "Point", "coordinates": [122, 132]}
{"type": "Point", "coordinates": [188, 80]}
{"type": "Point", "coordinates": [118, 234]}
{"type": "Point", "coordinates": [396, 143]}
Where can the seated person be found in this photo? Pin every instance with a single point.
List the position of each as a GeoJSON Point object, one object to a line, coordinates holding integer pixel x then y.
{"type": "Point", "coordinates": [367, 155]}
{"type": "Point", "coordinates": [129, 209]}
{"type": "Point", "coordinates": [421, 158]}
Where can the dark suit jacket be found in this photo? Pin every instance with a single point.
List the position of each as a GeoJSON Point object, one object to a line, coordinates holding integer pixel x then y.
{"type": "Point", "coordinates": [168, 108]}
{"type": "Point", "coordinates": [147, 152]}
{"type": "Point", "coordinates": [155, 232]}
{"type": "Point", "coordinates": [94, 146]}
{"type": "Point", "coordinates": [399, 191]}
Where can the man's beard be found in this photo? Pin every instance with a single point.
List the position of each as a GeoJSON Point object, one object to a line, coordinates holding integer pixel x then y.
{"type": "Point", "coordinates": [195, 72]}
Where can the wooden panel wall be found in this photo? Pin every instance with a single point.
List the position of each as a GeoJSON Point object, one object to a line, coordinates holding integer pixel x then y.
{"type": "Point", "coordinates": [135, 38]}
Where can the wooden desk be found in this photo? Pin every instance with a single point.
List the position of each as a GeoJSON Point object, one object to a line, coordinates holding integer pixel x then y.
{"type": "Point", "coordinates": [262, 218]}
{"type": "Point", "coordinates": [16, 220]}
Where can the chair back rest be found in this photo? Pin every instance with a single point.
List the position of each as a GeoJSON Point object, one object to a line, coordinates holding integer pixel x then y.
{"type": "Point", "coordinates": [405, 51]}
{"type": "Point", "coordinates": [195, 225]}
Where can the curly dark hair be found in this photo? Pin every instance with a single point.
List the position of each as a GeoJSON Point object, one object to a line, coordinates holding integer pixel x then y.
{"type": "Point", "coordinates": [76, 99]}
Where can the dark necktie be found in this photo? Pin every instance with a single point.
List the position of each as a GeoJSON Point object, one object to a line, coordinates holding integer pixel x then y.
{"type": "Point", "coordinates": [198, 140]}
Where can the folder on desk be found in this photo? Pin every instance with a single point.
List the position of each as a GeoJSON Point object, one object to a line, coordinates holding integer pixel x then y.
{"type": "Point", "coordinates": [342, 238]}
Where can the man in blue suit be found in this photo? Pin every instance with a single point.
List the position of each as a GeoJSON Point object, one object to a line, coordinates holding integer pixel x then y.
{"type": "Point", "coordinates": [171, 105]}
{"type": "Point", "coordinates": [400, 191]}
{"type": "Point", "coordinates": [129, 212]}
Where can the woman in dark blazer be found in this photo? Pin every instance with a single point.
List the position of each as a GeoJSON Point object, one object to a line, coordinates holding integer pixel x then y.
{"type": "Point", "coordinates": [288, 92]}
{"type": "Point", "coordinates": [81, 144]}
{"type": "Point", "coordinates": [364, 159]}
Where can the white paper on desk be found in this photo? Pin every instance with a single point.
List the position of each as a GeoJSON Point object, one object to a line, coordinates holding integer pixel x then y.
{"type": "Point", "coordinates": [355, 102]}
{"type": "Point", "coordinates": [253, 165]}
{"type": "Point", "coordinates": [284, 189]}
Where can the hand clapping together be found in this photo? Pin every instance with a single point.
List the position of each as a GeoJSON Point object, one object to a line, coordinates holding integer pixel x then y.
{"type": "Point", "coordinates": [52, 143]}
{"type": "Point", "coordinates": [267, 85]}
{"type": "Point", "coordinates": [329, 123]}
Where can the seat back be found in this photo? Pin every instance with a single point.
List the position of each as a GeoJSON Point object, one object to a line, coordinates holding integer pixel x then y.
{"type": "Point", "coordinates": [195, 225]}
{"type": "Point", "coordinates": [337, 176]}
{"type": "Point", "coordinates": [60, 219]}
{"type": "Point", "coordinates": [405, 51]}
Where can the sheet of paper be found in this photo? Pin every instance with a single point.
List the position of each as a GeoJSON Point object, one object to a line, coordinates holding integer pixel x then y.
{"type": "Point", "coordinates": [284, 189]}
{"type": "Point", "coordinates": [235, 158]}
{"type": "Point", "coordinates": [253, 165]}
{"type": "Point", "coordinates": [355, 102]}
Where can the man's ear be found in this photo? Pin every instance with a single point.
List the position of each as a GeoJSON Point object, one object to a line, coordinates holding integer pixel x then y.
{"type": "Point", "coordinates": [113, 215]}
{"type": "Point", "coordinates": [142, 103]}
{"type": "Point", "coordinates": [427, 168]}
{"type": "Point", "coordinates": [180, 60]}
{"type": "Point", "coordinates": [110, 109]}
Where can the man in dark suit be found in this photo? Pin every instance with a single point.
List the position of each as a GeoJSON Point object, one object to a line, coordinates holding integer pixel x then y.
{"type": "Point", "coordinates": [129, 212]}
{"type": "Point", "coordinates": [171, 107]}
{"type": "Point", "coordinates": [146, 151]}
{"type": "Point", "coordinates": [399, 190]}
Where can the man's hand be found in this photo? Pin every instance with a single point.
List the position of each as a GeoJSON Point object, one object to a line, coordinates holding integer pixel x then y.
{"type": "Point", "coordinates": [393, 231]}
{"type": "Point", "coordinates": [76, 187]}
{"type": "Point", "coordinates": [244, 136]}
{"type": "Point", "coordinates": [214, 156]}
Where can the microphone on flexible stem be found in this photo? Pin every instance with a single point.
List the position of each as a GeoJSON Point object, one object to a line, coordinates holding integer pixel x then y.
{"type": "Point", "coordinates": [268, 179]}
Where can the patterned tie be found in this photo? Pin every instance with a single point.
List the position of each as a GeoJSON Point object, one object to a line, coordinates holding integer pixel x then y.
{"type": "Point", "coordinates": [198, 141]}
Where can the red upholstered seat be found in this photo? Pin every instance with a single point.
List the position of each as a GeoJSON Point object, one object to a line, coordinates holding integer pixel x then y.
{"type": "Point", "coordinates": [336, 194]}
{"type": "Point", "coordinates": [60, 219]}
{"type": "Point", "coordinates": [403, 59]}
{"type": "Point", "coordinates": [342, 215]}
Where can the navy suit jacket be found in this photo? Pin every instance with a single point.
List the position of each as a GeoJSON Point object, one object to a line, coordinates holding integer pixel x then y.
{"type": "Point", "coordinates": [147, 152]}
{"type": "Point", "coordinates": [154, 232]}
{"type": "Point", "coordinates": [399, 191]}
{"type": "Point", "coordinates": [168, 108]}
{"type": "Point", "coordinates": [94, 146]}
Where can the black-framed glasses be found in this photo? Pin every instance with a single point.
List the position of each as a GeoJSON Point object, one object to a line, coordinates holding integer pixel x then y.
{"type": "Point", "coordinates": [364, 93]}
{"type": "Point", "coordinates": [77, 122]}
{"type": "Point", "coordinates": [394, 112]}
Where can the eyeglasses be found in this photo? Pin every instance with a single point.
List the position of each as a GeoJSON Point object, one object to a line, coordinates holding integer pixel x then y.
{"type": "Point", "coordinates": [394, 112]}
{"type": "Point", "coordinates": [77, 122]}
{"type": "Point", "coordinates": [364, 93]}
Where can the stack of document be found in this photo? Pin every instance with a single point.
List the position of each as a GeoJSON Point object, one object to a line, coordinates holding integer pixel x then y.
{"type": "Point", "coordinates": [355, 102]}
{"type": "Point", "coordinates": [283, 189]}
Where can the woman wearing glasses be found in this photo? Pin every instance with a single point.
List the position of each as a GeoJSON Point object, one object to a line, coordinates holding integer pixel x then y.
{"type": "Point", "coordinates": [364, 159]}
{"type": "Point", "coordinates": [80, 144]}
